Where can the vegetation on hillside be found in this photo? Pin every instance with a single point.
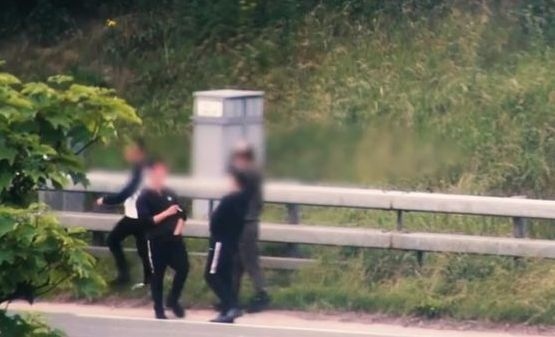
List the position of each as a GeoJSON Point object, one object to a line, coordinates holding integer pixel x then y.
{"type": "Point", "coordinates": [431, 95]}
{"type": "Point", "coordinates": [366, 77]}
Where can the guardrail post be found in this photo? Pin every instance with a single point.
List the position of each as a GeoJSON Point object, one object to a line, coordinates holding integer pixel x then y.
{"type": "Point", "coordinates": [399, 227]}
{"type": "Point", "coordinates": [519, 231]}
{"type": "Point", "coordinates": [53, 199]}
{"type": "Point", "coordinates": [519, 227]}
{"type": "Point", "coordinates": [399, 220]}
{"type": "Point", "coordinates": [519, 223]}
{"type": "Point", "coordinates": [420, 257]}
{"type": "Point", "coordinates": [293, 218]}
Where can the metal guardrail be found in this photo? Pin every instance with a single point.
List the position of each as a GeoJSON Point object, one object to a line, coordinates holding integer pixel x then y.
{"type": "Point", "coordinates": [99, 222]}
{"type": "Point", "coordinates": [268, 262]}
{"type": "Point", "coordinates": [293, 195]}
{"type": "Point", "coordinates": [352, 237]}
{"type": "Point", "coordinates": [301, 194]}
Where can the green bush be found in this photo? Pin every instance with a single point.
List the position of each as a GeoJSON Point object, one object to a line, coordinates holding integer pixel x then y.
{"type": "Point", "coordinates": [25, 326]}
{"type": "Point", "coordinates": [37, 255]}
{"type": "Point", "coordinates": [44, 127]}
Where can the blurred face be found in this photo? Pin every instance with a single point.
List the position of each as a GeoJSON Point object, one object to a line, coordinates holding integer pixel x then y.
{"type": "Point", "coordinates": [242, 155]}
{"type": "Point", "coordinates": [133, 154]}
{"type": "Point", "coordinates": [240, 162]}
{"type": "Point", "coordinates": [158, 175]}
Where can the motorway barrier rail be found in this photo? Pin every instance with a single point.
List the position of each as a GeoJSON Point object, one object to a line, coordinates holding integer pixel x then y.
{"type": "Point", "coordinates": [351, 237]}
{"type": "Point", "coordinates": [301, 194]}
{"type": "Point", "coordinates": [293, 195]}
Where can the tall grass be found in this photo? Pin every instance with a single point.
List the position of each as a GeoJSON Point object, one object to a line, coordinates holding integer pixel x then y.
{"type": "Point", "coordinates": [457, 286]}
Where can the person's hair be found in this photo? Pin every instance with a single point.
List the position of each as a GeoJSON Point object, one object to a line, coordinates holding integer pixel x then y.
{"type": "Point", "coordinates": [155, 161]}
{"type": "Point", "coordinates": [245, 152]}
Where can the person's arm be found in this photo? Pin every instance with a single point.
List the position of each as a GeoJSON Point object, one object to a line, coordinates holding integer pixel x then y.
{"type": "Point", "coordinates": [182, 212]}
{"type": "Point", "coordinates": [144, 211]}
{"type": "Point", "coordinates": [128, 190]}
{"type": "Point", "coordinates": [179, 227]}
{"type": "Point", "coordinates": [147, 215]}
{"type": "Point", "coordinates": [220, 217]}
{"type": "Point", "coordinates": [173, 209]}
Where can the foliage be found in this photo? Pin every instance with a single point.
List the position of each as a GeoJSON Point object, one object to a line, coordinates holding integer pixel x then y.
{"type": "Point", "coordinates": [44, 127]}
{"type": "Point", "coordinates": [38, 255]}
{"type": "Point", "coordinates": [423, 93]}
{"type": "Point", "coordinates": [18, 326]}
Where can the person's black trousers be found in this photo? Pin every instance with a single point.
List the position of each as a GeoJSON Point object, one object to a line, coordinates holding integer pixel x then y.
{"type": "Point", "coordinates": [248, 259]}
{"type": "Point", "coordinates": [219, 273]}
{"type": "Point", "coordinates": [163, 253]}
{"type": "Point", "coordinates": [124, 228]}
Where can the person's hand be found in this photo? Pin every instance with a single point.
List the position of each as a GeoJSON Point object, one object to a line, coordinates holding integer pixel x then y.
{"type": "Point", "coordinates": [173, 209]}
{"type": "Point", "coordinates": [99, 201]}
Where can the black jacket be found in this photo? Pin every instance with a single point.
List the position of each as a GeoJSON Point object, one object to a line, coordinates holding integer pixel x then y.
{"type": "Point", "coordinates": [128, 190]}
{"type": "Point", "coordinates": [151, 203]}
{"type": "Point", "coordinates": [228, 219]}
{"type": "Point", "coordinates": [253, 188]}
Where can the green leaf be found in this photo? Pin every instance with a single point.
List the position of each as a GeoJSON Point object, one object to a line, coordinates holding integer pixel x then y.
{"type": "Point", "coordinates": [8, 79]}
{"type": "Point", "coordinates": [60, 79]}
{"type": "Point", "coordinates": [6, 152]}
{"type": "Point", "coordinates": [57, 119]}
{"type": "Point", "coordinates": [8, 112]}
{"type": "Point", "coordinates": [6, 225]}
{"type": "Point", "coordinates": [6, 256]}
{"type": "Point", "coordinates": [5, 179]}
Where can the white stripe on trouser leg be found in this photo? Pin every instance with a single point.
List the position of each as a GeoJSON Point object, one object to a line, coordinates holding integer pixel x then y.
{"type": "Point", "coordinates": [150, 256]}
{"type": "Point", "coordinates": [216, 257]}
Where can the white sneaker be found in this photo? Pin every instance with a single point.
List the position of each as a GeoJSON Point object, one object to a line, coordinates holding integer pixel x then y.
{"type": "Point", "coordinates": [139, 285]}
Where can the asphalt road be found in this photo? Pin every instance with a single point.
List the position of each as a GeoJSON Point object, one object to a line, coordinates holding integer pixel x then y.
{"type": "Point", "coordinates": [111, 326]}
{"type": "Point", "coordinates": [97, 320]}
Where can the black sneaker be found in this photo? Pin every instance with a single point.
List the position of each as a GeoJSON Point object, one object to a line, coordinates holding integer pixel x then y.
{"type": "Point", "coordinates": [234, 313]}
{"type": "Point", "coordinates": [223, 318]}
{"type": "Point", "coordinates": [177, 309]}
{"type": "Point", "coordinates": [259, 303]}
{"type": "Point", "coordinates": [160, 314]}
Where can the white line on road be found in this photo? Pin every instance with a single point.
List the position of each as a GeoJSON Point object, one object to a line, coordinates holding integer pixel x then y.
{"type": "Point", "coordinates": [252, 326]}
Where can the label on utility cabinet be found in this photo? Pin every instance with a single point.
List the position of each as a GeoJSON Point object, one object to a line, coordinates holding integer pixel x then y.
{"type": "Point", "coordinates": [210, 108]}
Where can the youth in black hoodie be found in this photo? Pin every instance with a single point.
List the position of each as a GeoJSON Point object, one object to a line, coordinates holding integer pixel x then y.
{"type": "Point", "coordinates": [129, 225]}
{"type": "Point", "coordinates": [226, 226]}
{"type": "Point", "coordinates": [164, 218]}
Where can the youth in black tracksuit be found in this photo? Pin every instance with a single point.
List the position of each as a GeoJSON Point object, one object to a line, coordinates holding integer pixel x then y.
{"type": "Point", "coordinates": [165, 247]}
{"type": "Point", "coordinates": [226, 226]}
{"type": "Point", "coordinates": [129, 225]}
